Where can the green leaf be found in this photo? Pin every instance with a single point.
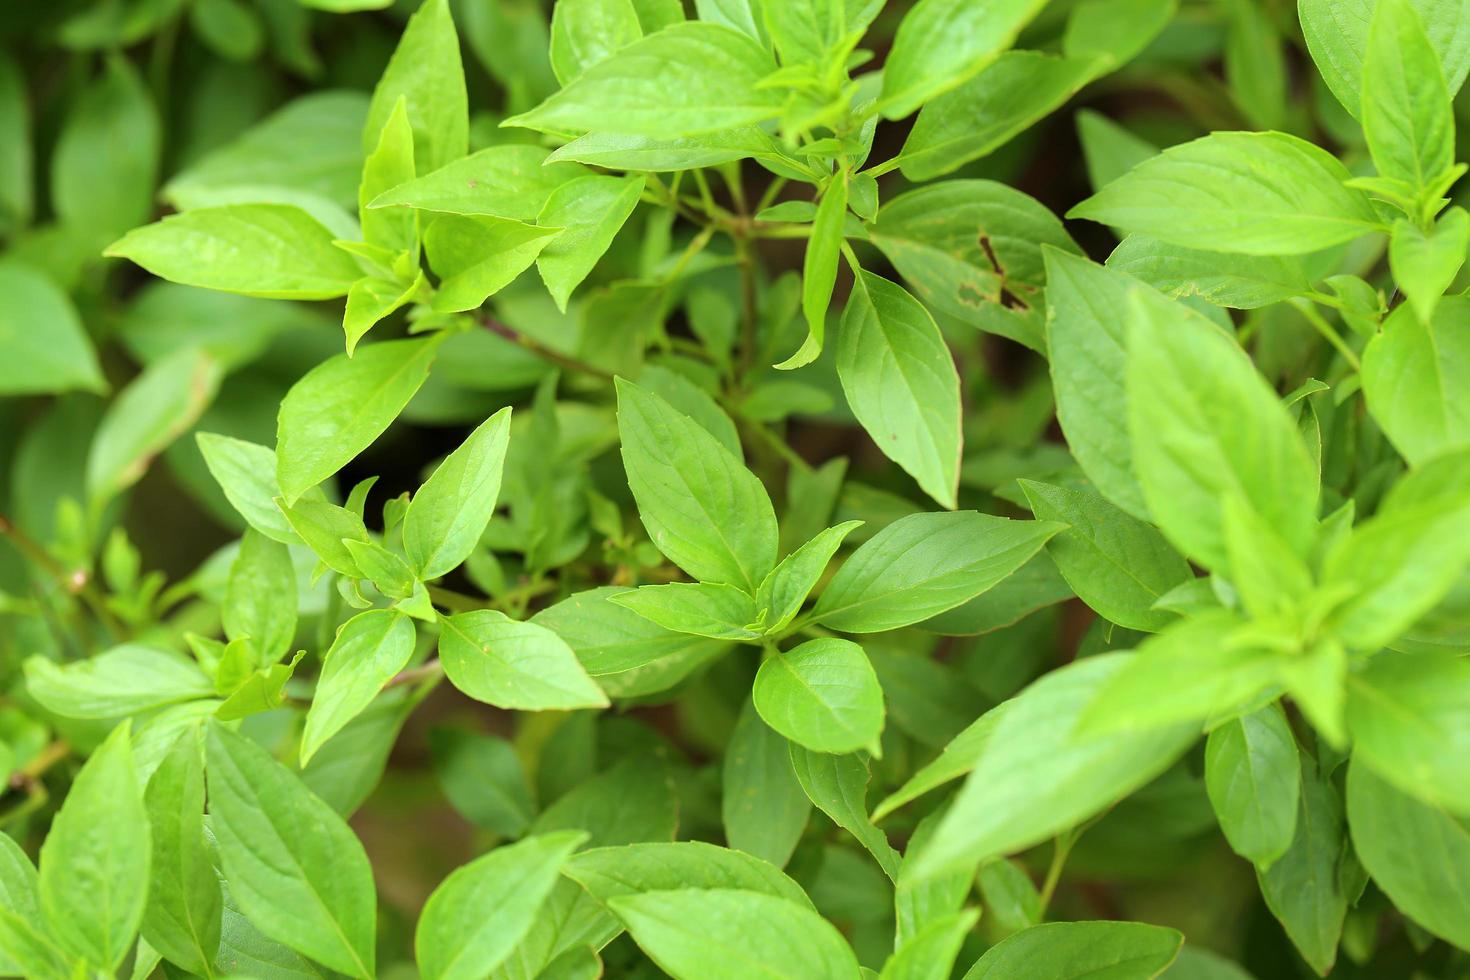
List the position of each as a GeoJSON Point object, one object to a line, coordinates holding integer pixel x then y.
{"type": "Point", "coordinates": [1398, 564]}
{"type": "Point", "coordinates": [941, 44]}
{"type": "Point", "coordinates": [629, 655]}
{"type": "Point", "coordinates": [1337, 35]}
{"type": "Point", "coordinates": [1416, 852]}
{"type": "Point", "coordinates": [1038, 775]}
{"type": "Point", "coordinates": [1242, 282]}
{"type": "Point", "coordinates": [620, 151]}
{"type": "Point", "coordinates": [182, 919]}
{"type": "Point", "coordinates": [1117, 564]}
{"type": "Point", "coordinates": [388, 165]}
{"type": "Point", "coordinates": [260, 597]}
{"type": "Point", "coordinates": [822, 695]}
{"type": "Point", "coordinates": [311, 146]}
{"type": "Point", "coordinates": [16, 179]}
{"type": "Point", "coordinates": [630, 803]}
{"type": "Point", "coordinates": [1015, 91]}
{"type": "Point", "coordinates": [125, 680]}
{"type": "Point", "coordinates": [93, 882]}
{"type": "Point", "coordinates": [495, 659]}
{"type": "Point", "coordinates": [591, 210]}
{"type": "Point", "coordinates": [1409, 379]}
{"type": "Point", "coordinates": [1205, 425]}
{"type": "Point", "coordinates": [924, 564]}
{"type": "Point", "coordinates": [370, 300]}
{"type": "Point", "coordinates": [838, 785]}
{"type": "Point", "coordinates": [763, 807]}
{"type": "Point", "coordinates": [786, 587]}
{"type": "Point", "coordinates": [368, 650]}
{"type": "Point", "coordinates": [1256, 193]}
{"type": "Point", "coordinates": [1425, 265]}
{"type": "Point", "coordinates": [155, 408]}
{"type": "Point", "coordinates": [930, 953]}
{"type": "Point", "coordinates": [1254, 777]}
{"type": "Point", "coordinates": [973, 250]}
{"type": "Point", "coordinates": [721, 612]}
{"type": "Point", "coordinates": [585, 32]}
{"type": "Point", "coordinates": [25, 948]}
{"type": "Point", "coordinates": [1201, 667]}
{"type": "Point", "coordinates": [1304, 888]}
{"type": "Point", "coordinates": [1269, 577]}
{"type": "Point", "coordinates": [728, 933]}
{"type": "Point", "coordinates": [1405, 105]}
{"type": "Point", "coordinates": [294, 867]}
{"type": "Point", "coordinates": [45, 347]}
{"type": "Point", "coordinates": [1088, 308]}
{"type": "Point", "coordinates": [1078, 950]}
{"type": "Point", "coordinates": [476, 256]}
{"type": "Point", "coordinates": [272, 250]}
{"type": "Point", "coordinates": [246, 472]}
{"type": "Point", "coordinates": [105, 163]}
{"type": "Point", "coordinates": [483, 778]}
{"type": "Point", "coordinates": [1408, 717]}
{"type": "Point", "coordinates": [635, 869]}
{"type": "Point", "coordinates": [703, 509]}
{"type": "Point", "coordinates": [509, 181]}
{"type": "Point", "coordinates": [901, 383]}
{"type": "Point", "coordinates": [686, 80]}
{"type": "Point", "coordinates": [477, 915]}
{"type": "Point", "coordinates": [446, 517]}
{"type": "Point", "coordinates": [340, 406]}
{"type": "Point", "coordinates": [819, 270]}
{"type": "Point", "coordinates": [425, 72]}
{"type": "Point", "coordinates": [326, 529]}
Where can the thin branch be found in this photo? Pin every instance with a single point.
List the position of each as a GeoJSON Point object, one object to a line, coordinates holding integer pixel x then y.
{"type": "Point", "coordinates": [538, 348]}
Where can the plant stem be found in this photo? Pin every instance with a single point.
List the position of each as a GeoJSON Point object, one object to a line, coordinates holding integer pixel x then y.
{"type": "Point", "coordinates": [1316, 319]}
{"type": "Point", "coordinates": [77, 583]}
{"type": "Point", "coordinates": [433, 669]}
{"type": "Point", "coordinates": [538, 348]}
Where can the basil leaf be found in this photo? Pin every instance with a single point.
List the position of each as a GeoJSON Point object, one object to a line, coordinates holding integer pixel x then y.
{"type": "Point", "coordinates": [260, 597]}
{"type": "Point", "coordinates": [93, 882]}
{"type": "Point", "coordinates": [822, 695]}
{"type": "Point", "coordinates": [901, 383]}
{"type": "Point", "coordinates": [819, 270]}
{"type": "Point", "coordinates": [1405, 106]}
{"type": "Point", "coordinates": [762, 805]}
{"type": "Point", "coordinates": [476, 256]}
{"type": "Point", "coordinates": [1336, 32]}
{"type": "Point", "coordinates": [1416, 852]}
{"type": "Point", "coordinates": [941, 44]}
{"type": "Point", "coordinates": [477, 915]}
{"type": "Point", "coordinates": [125, 680]}
{"type": "Point", "coordinates": [182, 919]}
{"type": "Point", "coordinates": [447, 516]}
{"type": "Point", "coordinates": [369, 649]}
{"type": "Point", "coordinates": [720, 933]}
{"type": "Point", "coordinates": [1208, 194]}
{"type": "Point", "coordinates": [45, 346]}
{"type": "Point", "coordinates": [721, 612]}
{"type": "Point", "coordinates": [591, 210]}
{"type": "Point", "coordinates": [703, 509]}
{"type": "Point", "coordinates": [425, 72]}
{"type": "Point", "coordinates": [636, 869]}
{"type": "Point", "coordinates": [786, 586]}
{"type": "Point", "coordinates": [270, 250]}
{"type": "Point", "coordinates": [1253, 775]}
{"type": "Point", "coordinates": [246, 473]}
{"type": "Point", "coordinates": [1190, 452]}
{"type": "Point", "coordinates": [1407, 372]}
{"type": "Point", "coordinates": [1038, 775]}
{"type": "Point", "coordinates": [495, 659]}
{"type": "Point", "coordinates": [340, 406]}
{"type": "Point", "coordinates": [1073, 950]}
{"type": "Point", "coordinates": [294, 868]}
{"type": "Point", "coordinates": [1117, 564]}
{"type": "Point", "coordinates": [585, 32]}
{"type": "Point", "coordinates": [686, 80]}
{"type": "Point", "coordinates": [924, 564]}
{"type": "Point", "coordinates": [509, 181]}
{"type": "Point", "coordinates": [838, 785]}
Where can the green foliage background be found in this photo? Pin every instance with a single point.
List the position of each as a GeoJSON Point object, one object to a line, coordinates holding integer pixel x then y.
{"type": "Point", "coordinates": [789, 488]}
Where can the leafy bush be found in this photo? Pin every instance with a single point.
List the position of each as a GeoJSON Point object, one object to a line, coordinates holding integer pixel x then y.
{"type": "Point", "coordinates": [686, 465]}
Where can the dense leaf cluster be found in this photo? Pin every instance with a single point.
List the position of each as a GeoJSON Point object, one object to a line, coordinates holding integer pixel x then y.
{"type": "Point", "coordinates": [737, 531]}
